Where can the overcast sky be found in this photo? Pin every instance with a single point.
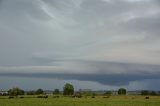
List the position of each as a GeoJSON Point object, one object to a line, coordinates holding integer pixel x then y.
{"type": "Point", "coordinates": [98, 44]}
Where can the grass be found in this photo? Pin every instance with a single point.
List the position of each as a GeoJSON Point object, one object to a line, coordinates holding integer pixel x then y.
{"type": "Point", "coordinates": [68, 101]}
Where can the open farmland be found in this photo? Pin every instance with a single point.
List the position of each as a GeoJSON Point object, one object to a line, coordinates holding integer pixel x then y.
{"type": "Point", "coordinates": [68, 101]}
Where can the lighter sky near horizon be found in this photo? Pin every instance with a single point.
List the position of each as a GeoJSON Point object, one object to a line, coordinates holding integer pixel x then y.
{"type": "Point", "coordinates": [97, 44]}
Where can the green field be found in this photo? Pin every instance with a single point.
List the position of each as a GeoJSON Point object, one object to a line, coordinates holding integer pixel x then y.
{"type": "Point", "coordinates": [68, 101]}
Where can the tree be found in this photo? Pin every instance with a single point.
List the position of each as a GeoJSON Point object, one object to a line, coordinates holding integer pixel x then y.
{"type": "Point", "coordinates": [153, 93]}
{"type": "Point", "coordinates": [31, 93]}
{"type": "Point", "coordinates": [56, 92]}
{"type": "Point", "coordinates": [15, 92]}
{"type": "Point", "coordinates": [68, 89]}
{"type": "Point", "coordinates": [39, 91]}
{"type": "Point", "coordinates": [144, 92]}
{"type": "Point", "coordinates": [122, 91]}
{"type": "Point", "coordinates": [158, 92]}
{"type": "Point", "coordinates": [108, 93]}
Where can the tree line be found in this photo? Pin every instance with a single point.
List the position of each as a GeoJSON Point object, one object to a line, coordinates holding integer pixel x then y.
{"type": "Point", "coordinates": [68, 90]}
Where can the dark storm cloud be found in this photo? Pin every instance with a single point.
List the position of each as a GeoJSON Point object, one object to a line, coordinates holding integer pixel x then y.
{"type": "Point", "coordinates": [127, 73]}
{"type": "Point", "coordinates": [114, 80]}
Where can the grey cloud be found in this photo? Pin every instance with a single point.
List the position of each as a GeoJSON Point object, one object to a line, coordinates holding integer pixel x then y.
{"type": "Point", "coordinates": [108, 73]}
{"type": "Point", "coordinates": [85, 67]}
{"type": "Point", "coordinates": [148, 25]}
{"type": "Point", "coordinates": [151, 84]}
{"type": "Point", "coordinates": [49, 83]}
{"type": "Point", "coordinates": [80, 37]}
{"type": "Point", "coordinates": [113, 80]}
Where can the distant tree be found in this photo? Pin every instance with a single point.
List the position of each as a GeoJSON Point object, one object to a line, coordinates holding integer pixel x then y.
{"type": "Point", "coordinates": [108, 93]}
{"type": "Point", "coordinates": [158, 92]}
{"type": "Point", "coordinates": [56, 92]}
{"type": "Point", "coordinates": [144, 92]}
{"type": "Point", "coordinates": [39, 91]}
{"type": "Point", "coordinates": [153, 93]}
{"type": "Point", "coordinates": [15, 92]}
{"type": "Point", "coordinates": [122, 91]}
{"type": "Point", "coordinates": [68, 89]}
{"type": "Point", "coordinates": [31, 93]}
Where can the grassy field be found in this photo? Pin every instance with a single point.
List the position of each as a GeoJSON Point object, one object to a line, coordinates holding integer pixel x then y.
{"type": "Point", "coordinates": [68, 101]}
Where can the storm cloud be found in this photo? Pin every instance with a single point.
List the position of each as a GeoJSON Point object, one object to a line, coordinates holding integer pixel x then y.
{"type": "Point", "coordinates": [112, 42]}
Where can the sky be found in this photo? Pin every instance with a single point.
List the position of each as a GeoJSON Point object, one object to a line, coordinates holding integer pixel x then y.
{"type": "Point", "coordinates": [93, 44]}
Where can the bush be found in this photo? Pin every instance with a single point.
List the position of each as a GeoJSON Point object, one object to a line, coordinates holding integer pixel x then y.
{"type": "Point", "coordinates": [93, 95]}
{"type": "Point", "coordinates": [77, 95]}
{"type": "Point", "coordinates": [42, 96]}
{"type": "Point", "coordinates": [106, 97]}
{"type": "Point", "coordinates": [10, 97]}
